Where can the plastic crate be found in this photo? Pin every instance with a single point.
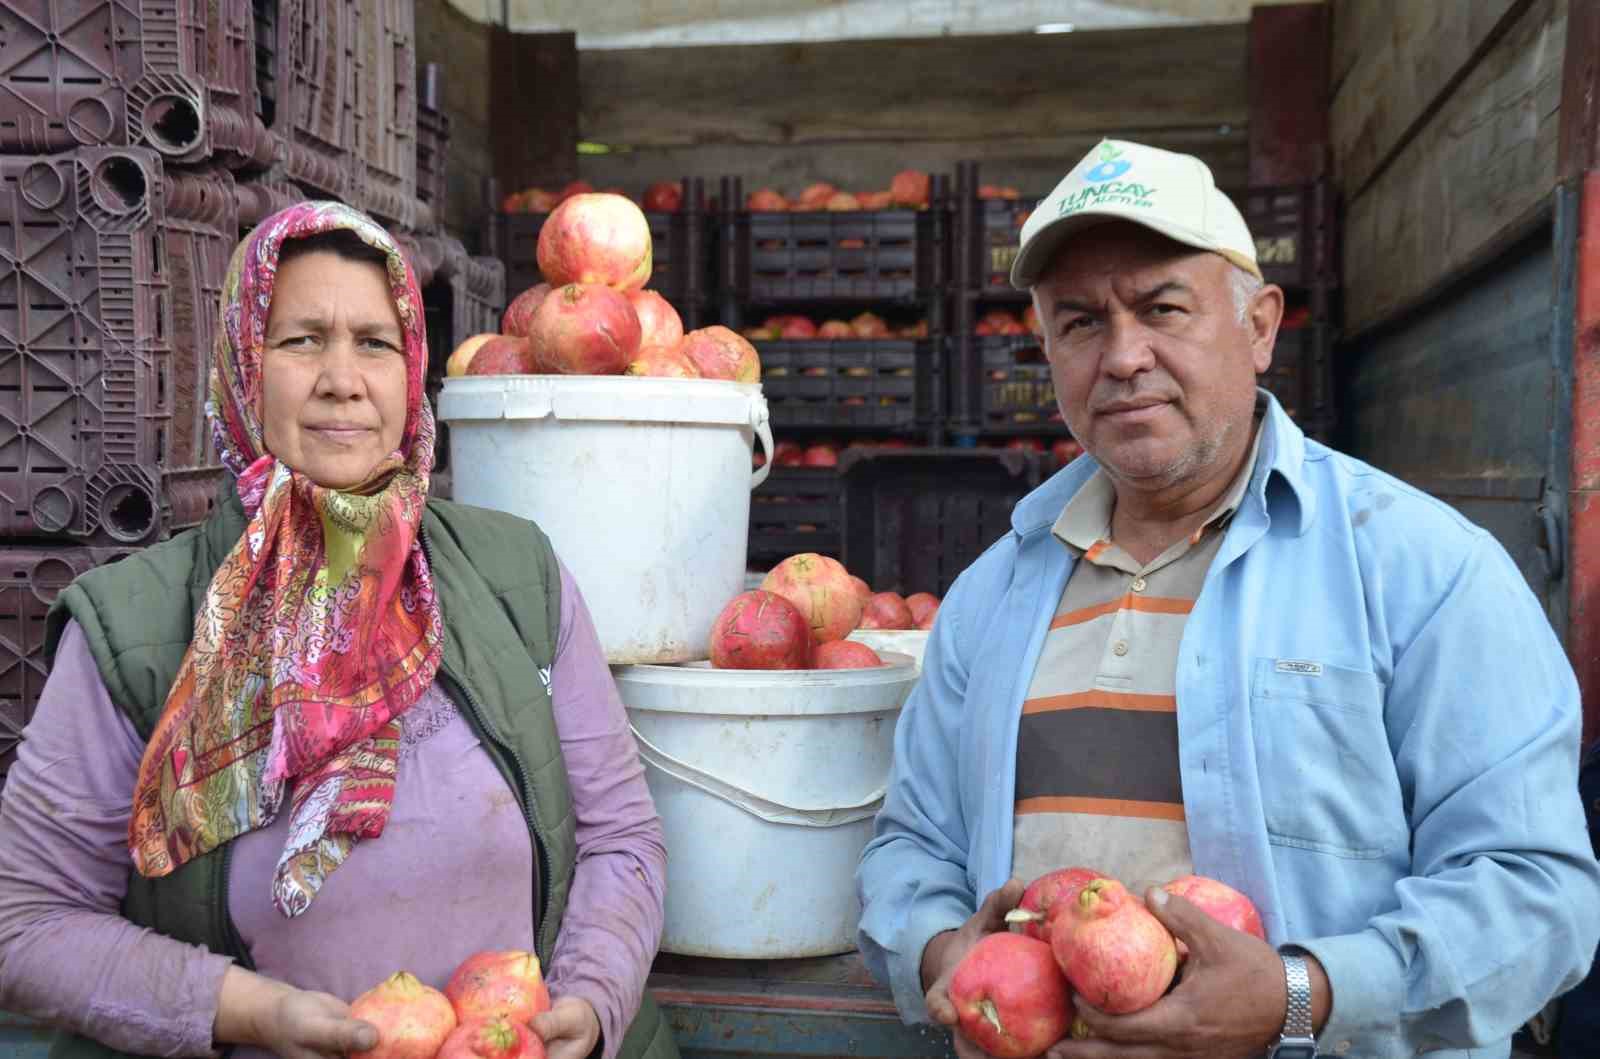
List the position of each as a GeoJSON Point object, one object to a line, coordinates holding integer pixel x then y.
{"type": "Point", "coordinates": [797, 509]}
{"type": "Point", "coordinates": [265, 13]}
{"type": "Point", "coordinates": [313, 113]}
{"type": "Point", "coordinates": [990, 240]}
{"type": "Point", "coordinates": [384, 111]}
{"type": "Point", "coordinates": [30, 580]}
{"type": "Point", "coordinates": [882, 255]}
{"type": "Point", "coordinates": [433, 150]}
{"type": "Point", "coordinates": [1301, 376]}
{"type": "Point", "coordinates": [680, 267]}
{"type": "Point", "coordinates": [1002, 385]}
{"type": "Point", "coordinates": [886, 384]}
{"type": "Point", "coordinates": [176, 77]}
{"type": "Point", "coordinates": [1293, 227]}
{"type": "Point", "coordinates": [108, 307]}
{"type": "Point", "coordinates": [914, 519]}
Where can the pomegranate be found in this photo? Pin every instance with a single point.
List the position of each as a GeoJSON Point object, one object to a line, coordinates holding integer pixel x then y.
{"type": "Point", "coordinates": [835, 329]}
{"type": "Point", "coordinates": [863, 589]}
{"type": "Point", "coordinates": [766, 200]}
{"type": "Point", "coordinates": [413, 1020]}
{"type": "Point", "coordinates": [788, 454]}
{"type": "Point", "coordinates": [576, 187]}
{"type": "Point", "coordinates": [797, 327]}
{"type": "Point", "coordinates": [844, 654]}
{"type": "Point", "coordinates": [760, 630]}
{"type": "Point", "coordinates": [1219, 901]}
{"type": "Point", "coordinates": [1061, 886]}
{"type": "Point", "coordinates": [457, 364]}
{"type": "Point", "coordinates": [842, 202]}
{"type": "Point", "coordinates": [665, 196]}
{"type": "Point", "coordinates": [886, 610]}
{"type": "Point", "coordinates": [662, 362]}
{"type": "Point", "coordinates": [1010, 997]}
{"type": "Point", "coordinates": [659, 323]}
{"type": "Point", "coordinates": [925, 623]}
{"type": "Point", "coordinates": [869, 325]}
{"type": "Point", "coordinates": [492, 1038]}
{"type": "Point", "coordinates": [922, 604]}
{"type": "Point", "coordinates": [502, 355]}
{"type": "Point", "coordinates": [722, 354]}
{"type": "Point", "coordinates": [1112, 950]}
{"type": "Point", "coordinates": [584, 329]}
{"type": "Point", "coordinates": [909, 188]}
{"type": "Point", "coordinates": [519, 314]}
{"type": "Point", "coordinates": [816, 196]}
{"type": "Point", "coordinates": [538, 200]}
{"type": "Point", "coordinates": [876, 200]}
{"type": "Point", "coordinates": [598, 238]}
{"type": "Point", "coordinates": [820, 589]}
{"type": "Point", "coordinates": [821, 456]}
{"type": "Point", "coordinates": [507, 983]}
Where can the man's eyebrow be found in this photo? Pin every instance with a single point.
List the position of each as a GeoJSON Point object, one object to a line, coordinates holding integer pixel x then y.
{"type": "Point", "coordinates": [1171, 286]}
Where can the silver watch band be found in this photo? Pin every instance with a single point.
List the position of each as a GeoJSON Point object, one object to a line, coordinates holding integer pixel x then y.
{"type": "Point", "coordinates": [1297, 1040]}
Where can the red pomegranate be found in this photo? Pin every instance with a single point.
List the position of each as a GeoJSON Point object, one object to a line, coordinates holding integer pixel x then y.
{"type": "Point", "coordinates": [842, 202]}
{"type": "Point", "coordinates": [869, 325]}
{"type": "Point", "coordinates": [797, 327]}
{"type": "Point", "coordinates": [664, 196]}
{"type": "Point", "coordinates": [584, 329]}
{"type": "Point", "coordinates": [1032, 914]}
{"type": "Point", "coordinates": [574, 188]}
{"type": "Point", "coordinates": [863, 589]}
{"type": "Point", "coordinates": [1219, 901]}
{"type": "Point", "coordinates": [788, 454]}
{"type": "Point", "coordinates": [760, 630]}
{"type": "Point", "coordinates": [821, 456]}
{"type": "Point", "coordinates": [876, 200]}
{"type": "Point", "coordinates": [815, 197]}
{"type": "Point", "coordinates": [922, 605]}
{"type": "Point", "coordinates": [601, 239]}
{"type": "Point", "coordinates": [463, 354]}
{"type": "Point", "coordinates": [492, 1038]}
{"type": "Point", "coordinates": [910, 187]}
{"type": "Point", "coordinates": [1010, 997]}
{"type": "Point", "coordinates": [662, 362]}
{"type": "Point", "coordinates": [820, 589]}
{"type": "Point", "coordinates": [502, 355]}
{"type": "Point", "coordinates": [886, 610]}
{"type": "Point", "coordinates": [413, 1020]}
{"type": "Point", "coordinates": [844, 654]}
{"type": "Point", "coordinates": [659, 323]}
{"type": "Point", "coordinates": [1113, 951]}
{"type": "Point", "coordinates": [722, 354]}
{"type": "Point", "coordinates": [518, 317]}
{"type": "Point", "coordinates": [835, 329]}
{"type": "Point", "coordinates": [766, 201]}
{"type": "Point", "coordinates": [508, 983]}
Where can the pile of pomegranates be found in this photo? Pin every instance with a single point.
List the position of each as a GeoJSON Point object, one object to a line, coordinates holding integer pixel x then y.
{"type": "Point", "coordinates": [801, 615]}
{"type": "Point", "coordinates": [593, 315]}
{"type": "Point", "coordinates": [662, 197]}
{"type": "Point", "coordinates": [796, 327]}
{"type": "Point", "coordinates": [483, 1012]}
{"type": "Point", "coordinates": [1077, 933]}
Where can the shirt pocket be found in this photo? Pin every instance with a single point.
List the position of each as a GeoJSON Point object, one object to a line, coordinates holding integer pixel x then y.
{"type": "Point", "coordinates": [1328, 780]}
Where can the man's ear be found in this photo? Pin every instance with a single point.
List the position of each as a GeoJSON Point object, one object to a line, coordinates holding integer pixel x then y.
{"type": "Point", "coordinates": [1266, 313]}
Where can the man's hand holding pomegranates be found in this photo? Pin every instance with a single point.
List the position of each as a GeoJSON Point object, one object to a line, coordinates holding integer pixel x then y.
{"type": "Point", "coordinates": [1229, 1003]}
{"type": "Point", "coordinates": [570, 1029]}
{"type": "Point", "coordinates": [944, 951]}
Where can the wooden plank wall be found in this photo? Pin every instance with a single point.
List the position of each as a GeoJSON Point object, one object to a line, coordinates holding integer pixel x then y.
{"type": "Point", "coordinates": [854, 112]}
{"type": "Point", "coordinates": [1444, 128]}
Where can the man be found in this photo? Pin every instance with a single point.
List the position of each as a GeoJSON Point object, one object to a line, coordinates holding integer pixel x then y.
{"type": "Point", "coordinates": [1213, 645]}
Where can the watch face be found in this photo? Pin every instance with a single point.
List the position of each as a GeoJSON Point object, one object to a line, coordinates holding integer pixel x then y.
{"type": "Point", "coordinates": [1294, 1050]}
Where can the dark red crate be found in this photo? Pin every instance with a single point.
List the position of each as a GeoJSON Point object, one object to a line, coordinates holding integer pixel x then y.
{"type": "Point", "coordinates": [30, 580]}
{"type": "Point", "coordinates": [881, 384]}
{"type": "Point", "coordinates": [108, 308]}
{"type": "Point", "coordinates": [680, 267]}
{"type": "Point", "coordinates": [177, 77]}
{"type": "Point", "coordinates": [797, 509]}
{"type": "Point", "coordinates": [384, 111]}
{"type": "Point", "coordinates": [313, 113]}
{"type": "Point", "coordinates": [915, 518]}
{"type": "Point", "coordinates": [1294, 230]}
{"type": "Point", "coordinates": [433, 151]}
{"type": "Point", "coordinates": [1301, 376]}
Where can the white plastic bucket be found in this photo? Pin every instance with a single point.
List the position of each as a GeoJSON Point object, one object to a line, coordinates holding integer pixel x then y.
{"type": "Point", "coordinates": [767, 783]}
{"type": "Point", "coordinates": [913, 642]}
{"type": "Point", "coordinates": [642, 484]}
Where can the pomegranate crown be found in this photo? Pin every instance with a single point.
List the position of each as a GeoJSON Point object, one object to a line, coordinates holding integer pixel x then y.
{"type": "Point", "coordinates": [1100, 897]}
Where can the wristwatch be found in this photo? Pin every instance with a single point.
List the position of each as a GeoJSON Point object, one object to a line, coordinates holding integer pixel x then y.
{"type": "Point", "coordinates": [1296, 1041]}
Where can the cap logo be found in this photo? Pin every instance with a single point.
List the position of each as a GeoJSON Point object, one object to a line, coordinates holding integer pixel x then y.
{"type": "Point", "coordinates": [1111, 165]}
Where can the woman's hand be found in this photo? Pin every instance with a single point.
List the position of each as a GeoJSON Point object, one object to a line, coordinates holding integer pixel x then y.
{"type": "Point", "coordinates": [289, 1022]}
{"type": "Point", "coordinates": [570, 1029]}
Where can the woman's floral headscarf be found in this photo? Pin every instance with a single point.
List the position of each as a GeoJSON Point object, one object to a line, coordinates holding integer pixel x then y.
{"type": "Point", "coordinates": [319, 628]}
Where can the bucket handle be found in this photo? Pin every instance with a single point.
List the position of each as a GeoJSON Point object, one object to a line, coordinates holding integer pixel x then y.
{"type": "Point", "coordinates": [749, 801]}
{"type": "Point", "coordinates": [759, 422]}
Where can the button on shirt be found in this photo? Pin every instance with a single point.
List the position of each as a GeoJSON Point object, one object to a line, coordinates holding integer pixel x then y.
{"type": "Point", "coordinates": [1097, 759]}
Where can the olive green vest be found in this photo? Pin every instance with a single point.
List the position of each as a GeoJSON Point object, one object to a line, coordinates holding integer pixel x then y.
{"type": "Point", "coordinates": [138, 617]}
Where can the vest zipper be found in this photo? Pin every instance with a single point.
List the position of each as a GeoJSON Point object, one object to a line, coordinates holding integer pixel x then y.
{"type": "Point", "coordinates": [541, 853]}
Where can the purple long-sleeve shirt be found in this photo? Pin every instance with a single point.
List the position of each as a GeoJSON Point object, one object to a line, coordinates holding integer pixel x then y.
{"type": "Point", "coordinates": [450, 876]}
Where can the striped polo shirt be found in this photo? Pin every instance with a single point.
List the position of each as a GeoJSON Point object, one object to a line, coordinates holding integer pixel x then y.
{"type": "Point", "coordinates": [1098, 784]}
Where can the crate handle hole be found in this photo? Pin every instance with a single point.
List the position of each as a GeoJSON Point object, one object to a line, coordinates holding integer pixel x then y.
{"type": "Point", "coordinates": [173, 123]}
{"type": "Point", "coordinates": [130, 513]}
{"type": "Point", "coordinates": [120, 185]}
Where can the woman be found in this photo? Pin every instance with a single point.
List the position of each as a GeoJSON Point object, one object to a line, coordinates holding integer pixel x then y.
{"type": "Point", "coordinates": [337, 731]}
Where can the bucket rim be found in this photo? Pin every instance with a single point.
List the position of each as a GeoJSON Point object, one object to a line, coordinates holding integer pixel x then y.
{"type": "Point", "coordinates": [600, 398]}
{"type": "Point", "coordinates": [767, 692]}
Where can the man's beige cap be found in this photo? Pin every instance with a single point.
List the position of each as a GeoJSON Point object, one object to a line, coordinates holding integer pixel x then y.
{"type": "Point", "coordinates": [1166, 192]}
